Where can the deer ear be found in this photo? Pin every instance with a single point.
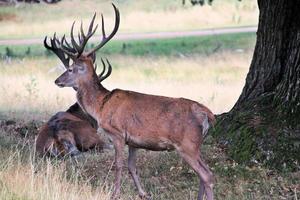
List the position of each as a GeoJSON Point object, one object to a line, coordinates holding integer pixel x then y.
{"type": "Point", "coordinates": [93, 57]}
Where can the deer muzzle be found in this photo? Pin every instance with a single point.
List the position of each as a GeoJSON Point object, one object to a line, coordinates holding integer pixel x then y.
{"type": "Point", "coordinates": [59, 83]}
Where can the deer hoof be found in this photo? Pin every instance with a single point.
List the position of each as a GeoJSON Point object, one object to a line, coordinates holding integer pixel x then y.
{"type": "Point", "coordinates": [145, 196]}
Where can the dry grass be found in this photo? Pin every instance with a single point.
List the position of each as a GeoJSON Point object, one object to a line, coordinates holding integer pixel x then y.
{"type": "Point", "coordinates": [136, 16]}
{"type": "Point", "coordinates": [47, 180]}
{"type": "Point", "coordinates": [27, 85]}
{"type": "Point", "coordinates": [163, 174]}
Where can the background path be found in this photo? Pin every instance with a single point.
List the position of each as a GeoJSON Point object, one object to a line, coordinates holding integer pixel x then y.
{"type": "Point", "coordinates": [153, 35]}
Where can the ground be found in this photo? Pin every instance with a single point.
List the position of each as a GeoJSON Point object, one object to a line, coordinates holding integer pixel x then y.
{"type": "Point", "coordinates": [163, 174]}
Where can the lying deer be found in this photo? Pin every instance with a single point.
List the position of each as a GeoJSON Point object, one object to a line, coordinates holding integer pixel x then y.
{"type": "Point", "coordinates": [68, 133]}
{"type": "Point", "coordinates": [138, 120]}
{"type": "Point", "coordinates": [73, 131]}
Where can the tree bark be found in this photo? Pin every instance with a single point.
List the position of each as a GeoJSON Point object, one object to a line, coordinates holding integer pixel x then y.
{"type": "Point", "coordinates": [264, 122]}
{"type": "Point", "coordinates": [275, 65]}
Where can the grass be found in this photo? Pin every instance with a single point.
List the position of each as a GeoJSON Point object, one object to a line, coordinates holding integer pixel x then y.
{"type": "Point", "coordinates": [212, 80]}
{"type": "Point", "coordinates": [38, 20]}
{"type": "Point", "coordinates": [164, 175]}
{"type": "Point", "coordinates": [23, 178]}
{"type": "Point", "coordinates": [182, 47]}
{"type": "Point", "coordinates": [214, 65]}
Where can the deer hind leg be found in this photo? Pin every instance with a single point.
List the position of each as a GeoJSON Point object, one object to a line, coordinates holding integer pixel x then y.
{"type": "Point", "coordinates": [119, 147]}
{"type": "Point", "coordinates": [66, 139]}
{"type": "Point", "coordinates": [205, 175]}
{"type": "Point", "coordinates": [201, 190]}
{"type": "Point", "coordinates": [70, 148]}
{"type": "Point", "coordinates": [132, 170]}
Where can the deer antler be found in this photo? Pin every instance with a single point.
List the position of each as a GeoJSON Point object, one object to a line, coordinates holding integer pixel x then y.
{"type": "Point", "coordinates": [55, 47]}
{"type": "Point", "coordinates": [104, 38]}
{"type": "Point", "coordinates": [103, 75]}
{"type": "Point", "coordinates": [77, 48]}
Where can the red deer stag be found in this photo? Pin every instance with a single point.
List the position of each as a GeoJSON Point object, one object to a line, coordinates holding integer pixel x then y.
{"type": "Point", "coordinates": [138, 120]}
{"type": "Point", "coordinates": [72, 131]}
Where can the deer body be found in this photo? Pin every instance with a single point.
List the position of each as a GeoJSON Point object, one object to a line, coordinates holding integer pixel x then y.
{"type": "Point", "coordinates": [138, 120]}
{"type": "Point", "coordinates": [69, 133]}
{"type": "Point", "coordinates": [146, 121]}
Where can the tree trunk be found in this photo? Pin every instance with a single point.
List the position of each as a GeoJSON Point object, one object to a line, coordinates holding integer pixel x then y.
{"type": "Point", "coordinates": [264, 123]}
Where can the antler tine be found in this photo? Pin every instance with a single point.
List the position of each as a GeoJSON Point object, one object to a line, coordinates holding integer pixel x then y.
{"type": "Point", "coordinates": [92, 24]}
{"type": "Point", "coordinates": [63, 42]}
{"type": "Point", "coordinates": [63, 39]}
{"type": "Point", "coordinates": [76, 50]}
{"type": "Point", "coordinates": [95, 67]}
{"type": "Point", "coordinates": [79, 38]}
{"type": "Point", "coordinates": [55, 39]}
{"type": "Point", "coordinates": [74, 43]}
{"type": "Point", "coordinates": [109, 69]}
{"type": "Point", "coordinates": [81, 31]}
{"type": "Point", "coordinates": [58, 51]}
{"type": "Point", "coordinates": [83, 39]}
{"type": "Point", "coordinates": [90, 33]}
{"type": "Point", "coordinates": [104, 38]}
{"type": "Point", "coordinates": [103, 30]}
{"type": "Point", "coordinates": [53, 42]}
{"type": "Point", "coordinates": [46, 44]}
{"type": "Point", "coordinates": [101, 78]}
{"type": "Point", "coordinates": [67, 49]}
{"type": "Point", "coordinates": [103, 70]}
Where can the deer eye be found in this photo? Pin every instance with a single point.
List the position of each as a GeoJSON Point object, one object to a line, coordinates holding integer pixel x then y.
{"type": "Point", "coordinates": [70, 70]}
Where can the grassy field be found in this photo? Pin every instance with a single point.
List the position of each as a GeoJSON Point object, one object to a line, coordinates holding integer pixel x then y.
{"type": "Point", "coordinates": [210, 70]}
{"type": "Point", "coordinates": [204, 69]}
{"type": "Point", "coordinates": [185, 46]}
{"type": "Point", "coordinates": [213, 77]}
{"type": "Point", "coordinates": [25, 81]}
{"type": "Point", "coordinates": [164, 175]}
{"type": "Point", "coordinates": [37, 20]}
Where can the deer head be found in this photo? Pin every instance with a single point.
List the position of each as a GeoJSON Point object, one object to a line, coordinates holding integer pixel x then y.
{"type": "Point", "coordinates": [82, 68]}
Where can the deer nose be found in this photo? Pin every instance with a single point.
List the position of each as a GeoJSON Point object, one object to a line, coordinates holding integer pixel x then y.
{"type": "Point", "coordinates": [59, 83]}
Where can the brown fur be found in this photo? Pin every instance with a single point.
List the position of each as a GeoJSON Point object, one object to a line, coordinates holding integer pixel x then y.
{"type": "Point", "coordinates": [74, 127]}
{"type": "Point", "coordinates": [143, 121]}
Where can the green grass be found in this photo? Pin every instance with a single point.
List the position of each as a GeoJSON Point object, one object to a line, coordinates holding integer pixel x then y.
{"type": "Point", "coordinates": [184, 46]}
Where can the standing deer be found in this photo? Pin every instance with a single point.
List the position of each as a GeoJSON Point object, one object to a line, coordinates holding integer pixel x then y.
{"type": "Point", "coordinates": [138, 120]}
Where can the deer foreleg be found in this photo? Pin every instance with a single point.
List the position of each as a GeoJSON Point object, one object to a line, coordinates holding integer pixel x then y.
{"type": "Point", "coordinates": [133, 171]}
{"type": "Point", "coordinates": [119, 147]}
